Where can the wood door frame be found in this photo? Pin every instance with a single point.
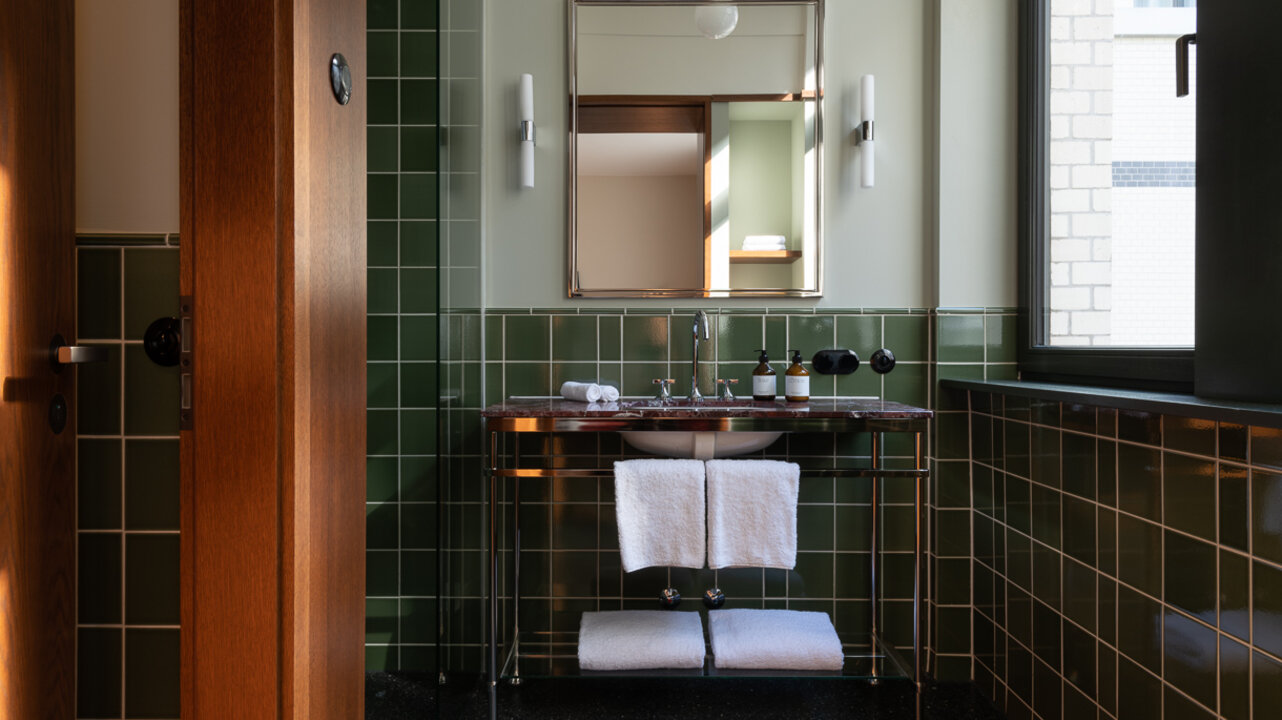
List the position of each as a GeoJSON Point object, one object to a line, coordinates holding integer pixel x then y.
{"type": "Point", "coordinates": [272, 267]}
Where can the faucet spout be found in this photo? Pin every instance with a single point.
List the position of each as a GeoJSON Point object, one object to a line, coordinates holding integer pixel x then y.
{"type": "Point", "coordinates": [700, 324]}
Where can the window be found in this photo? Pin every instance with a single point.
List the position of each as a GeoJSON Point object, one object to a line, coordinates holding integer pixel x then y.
{"type": "Point", "coordinates": [1109, 168]}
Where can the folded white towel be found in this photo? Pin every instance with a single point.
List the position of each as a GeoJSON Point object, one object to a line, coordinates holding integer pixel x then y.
{"type": "Point", "coordinates": [640, 640]}
{"type": "Point", "coordinates": [660, 509]}
{"type": "Point", "coordinates": [583, 392]}
{"type": "Point", "coordinates": [765, 242]}
{"type": "Point", "coordinates": [774, 640]}
{"type": "Point", "coordinates": [609, 393]}
{"type": "Point", "coordinates": [752, 513]}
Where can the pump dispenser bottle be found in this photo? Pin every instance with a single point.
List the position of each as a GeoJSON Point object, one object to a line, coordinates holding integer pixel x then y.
{"type": "Point", "coordinates": [764, 381]}
{"type": "Point", "coordinates": [797, 381]}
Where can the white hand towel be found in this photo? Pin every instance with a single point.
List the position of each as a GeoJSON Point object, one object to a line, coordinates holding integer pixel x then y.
{"type": "Point", "coordinates": [774, 640]}
{"type": "Point", "coordinates": [609, 393]}
{"type": "Point", "coordinates": [583, 392]}
{"type": "Point", "coordinates": [752, 513]}
{"type": "Point", "coordinates": [640, 640]}
{"type": "Point", "coordinates": [660, 509]}
{"type": "Point", "coordinates": [765, 242]}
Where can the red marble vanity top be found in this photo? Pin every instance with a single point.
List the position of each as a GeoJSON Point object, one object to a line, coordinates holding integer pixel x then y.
{"type": "Point", "coordinates": [820, 408]}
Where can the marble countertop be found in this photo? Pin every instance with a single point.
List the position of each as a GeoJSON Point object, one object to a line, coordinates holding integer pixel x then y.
{"type": "Point", "coordinates": [849, 408]}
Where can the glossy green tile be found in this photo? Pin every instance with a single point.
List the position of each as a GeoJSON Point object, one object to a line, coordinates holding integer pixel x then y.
{"type": "Point", "coordinates": [1106, 472]}
{"type": "Point", "coordinates": [418, 620]}
{"type": "Point", "coordinates": [1108, 617]}
{"type": "Point", "coordinates": [1266, 515]}
{"type": "Point", "coordinates": [1139, 427]}
{"type": "Point", "coordinates": [99, 484]}
{"type": "Point", "coordinates": [961, 338]}
{"type": "Point", "coordinates": [1139, 481]}
{"type": "Point", "coordinates": [574, 527]}
{"type": "Point", "coordinates": [1018, 505]}
{"type": "Point", "coordinates": [906, 336]}
{"type": "Point", "coordinates": [777, 340]}
{"type": "Point", "coordinates": [1079, 530]}
{"type": "Point", "coordinates": [1078, 705]}
{"type": "Point", "coordinates": [421, 15]}
{"type": "Point", "coordinates": [1190, 574]}
{"type": "Point", "coordinates": [382, 620]}
{"type": "Point", "coordinates": [1078, 465]}
{"type": "Point", "coordinates": [1108, 660]}
{"type": "Point", "coordinates": [418, 244]}
{"type": "Point", "coordinates": [815, 527]}
{"type": "Point", "coordinates": [953, 435]}
{"type": "Point", "coordinates": [1233, 442]}
{"type": "Point", "coordinates": [418, 385]}
{"type": "Point", "coordinates": [1190, 661]}
{"type": "Point", "coordinates": [380, 338]}
{"type": "Point", "coordinates": [1046, 456]}
{"type": "Point", "coordinates": [954, 630]}
{"type": "Point", "coordinates": [1139, 554]}
{"type": "Point", "coordinates": [419, 479]}
{"type": "Point", "coordinates": [574, 574]}
{"type": "Point", "coordinates": [98, 314]}
{"type": "Point", "coordinates": [527, 337]}
{"type": "Point", "coordinates": [1107, 548]}
{"type": "Point", "coordinates": [1179, 707]}
{"type": "Point", "coordinates": [98, 392]}
{"type": "Point", "coordinates": [382, 526]}
{"type": "Point", "coordinates": [151, 484]}
{"type": "Point", "coordinates": [813, 577]}
{"type": "Point", "coordinates": [1266, 605]}
{"type": "Point", "coordinates": [151, 579]}
{"type": "Point", "coordinates": [382, 296]}
{"type": "Point", "coordinates": [98, 663]}
{"type": "Point", "coordinates": [1017, 441]}
{"type": "Point", "coordinates": [418, 102]}
{"type": "Point", "coordinates": [151, 395]}
{"type": "Point", "coordinates": [1235, 594]}
{"type": "Point", "coordinates": [418, 338]}
{"type": "Point", "coordinates": [151, 673]}
{"type": "Point", "coordinates": [1081, 418]}
{"type": "Point", "coordinates": [811, 333]}
{"type": "Point", "coordinates": [98, 589]}
{"type": "Point", "coordinates": [381, 55]}
{"type": "Point", "coordinates": [574, 338]}
{"type": "Point", "coordinates": [381, 234]}
{"type": "Point", "coordinates": [1139, 622]}
{"type": "Point", "coordinates": [381, 658]}
{"type": "Point", "coordinates": [1080, 603]}
{"type": "Point", "coordinates": [1000, 338]}
{"type": "Point", "coordinates": [1047, 575]}
{"type": "Point", "coordinates": [861, 333]}
{"type": "Point", "coordinates": [1189, 495]}
{"type": "Point", "coordinates": [645, 338]}
{"type": "Point", "coordinates": [418, 54]}
{"type": "Point", "coordinates": [908, 384]}
{"type": "Point", "coordinates": [381, 432]}
{"type": "Point", "coordinates": [610, 337]}
{"type": "Point", "coordinates": [381, 573]}
{"type": "Point", "coordinates": [1267, 686]}
{"type": "Point", "coordinates": [1047, 690]}
{"type": "Point", "coordinates": [418, 197]}
{"type": "Point", "coordinates": [954, 581]}
{"type": "Point", "coordinates": [528, 379]}
{"type": "Point", "coordinates": [381, 14]}
{"type": "Point", "coordinates": [381, 479]}
{"type": "Point", "coordinates": [381, 389]}
{"type": "Point", "coordinates": [1189, 435]}
{"type": "Point", "coordinates": [1079, 658]}
{"type": "Point", "coordinates": [418, 526]}
{"type": "Point", "coordinates": [383, 195]}
{"type": "Point", "coordinates": [418, 432]}
{"type": "Point", "coordinates": [1266, 447]}
{"type": "Point", "coordinates": [1235, 680]}
{"type": "Point", "coordinates": [739, 338]}
{"type": "Point", "coordinates": [419, 149]}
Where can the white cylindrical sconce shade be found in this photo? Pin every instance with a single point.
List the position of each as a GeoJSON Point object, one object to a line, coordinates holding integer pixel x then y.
{"type": "Point", "coordinates": [868, 147]}
{"type": "Point", "coordinates": [526, 119]}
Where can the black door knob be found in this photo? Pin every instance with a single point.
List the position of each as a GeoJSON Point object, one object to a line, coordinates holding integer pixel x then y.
{"type": "Point", "coordinates": [163, 341]}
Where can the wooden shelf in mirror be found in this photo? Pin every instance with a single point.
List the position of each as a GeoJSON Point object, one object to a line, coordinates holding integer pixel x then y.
{"type": "Point", "coordinates": [764, 257]}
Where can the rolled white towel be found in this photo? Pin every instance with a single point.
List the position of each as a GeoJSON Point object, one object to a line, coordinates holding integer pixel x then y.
{"type": "Point", "coordinates": [583, 392]}
{"type": "Point", "coordinates": [609, 393]}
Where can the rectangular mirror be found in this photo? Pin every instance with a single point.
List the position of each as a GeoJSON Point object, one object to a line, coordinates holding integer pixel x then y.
{"type": "Point", "coordinates": [695, 148]}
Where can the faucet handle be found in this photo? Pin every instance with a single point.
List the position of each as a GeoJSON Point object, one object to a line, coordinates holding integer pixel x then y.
{"type": "Point", "coordinates": [665, 392]}
{"type": "Point", "coordinates": [723, 388]}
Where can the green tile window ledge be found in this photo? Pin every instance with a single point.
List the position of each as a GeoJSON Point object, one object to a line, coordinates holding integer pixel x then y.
{"type": "Point", "coordinates": [1245, 413]}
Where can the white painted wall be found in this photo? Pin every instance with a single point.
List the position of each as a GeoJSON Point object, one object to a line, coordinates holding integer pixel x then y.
{"type": "Point", "coordinates": [882, 245]}
{"type": "Point", "coordinates": [127, 116]}
{"type": "Point", "coordinates": [646, 231]}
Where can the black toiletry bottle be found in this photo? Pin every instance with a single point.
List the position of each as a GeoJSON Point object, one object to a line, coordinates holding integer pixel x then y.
{"type": "Point", "coordinates": [764, 381]}
{"type": "Point", "coordinates": [797, 381]}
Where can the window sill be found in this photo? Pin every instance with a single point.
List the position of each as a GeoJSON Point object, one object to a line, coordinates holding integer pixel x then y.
{"type": "Point", "coordinates": [1263, 414]}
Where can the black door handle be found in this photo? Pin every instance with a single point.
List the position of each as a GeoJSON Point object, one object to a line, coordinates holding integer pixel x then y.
{"type": "Point", "coordinates": [1182, 63]}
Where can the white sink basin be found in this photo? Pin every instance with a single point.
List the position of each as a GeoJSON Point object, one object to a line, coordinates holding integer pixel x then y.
{"type": "Point", "coordinates": [698, 445]}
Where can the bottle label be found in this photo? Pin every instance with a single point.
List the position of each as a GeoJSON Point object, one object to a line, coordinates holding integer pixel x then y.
{"type": "Point", "coordinates": [797, 386]}
{"type": "Point", "coordinates": [764, 385]}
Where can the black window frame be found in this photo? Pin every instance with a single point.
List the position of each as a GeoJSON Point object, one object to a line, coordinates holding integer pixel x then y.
{"type": "Point", "coordinates": [1169, 369]}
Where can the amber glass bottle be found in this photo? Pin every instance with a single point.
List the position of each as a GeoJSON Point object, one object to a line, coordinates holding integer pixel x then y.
{"type": "Point", "coordinates": [797, 381]}
{"type": "Point", "coordinates": [764, 381]}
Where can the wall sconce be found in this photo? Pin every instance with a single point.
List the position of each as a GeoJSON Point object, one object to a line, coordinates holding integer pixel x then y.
{"type": "Point", "coordinates": [864, 133]}
{"type": "Point", "coordinates": [527, 130]}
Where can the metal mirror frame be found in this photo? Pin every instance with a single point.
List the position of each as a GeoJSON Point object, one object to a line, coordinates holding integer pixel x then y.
{"type": "Point", "coordinates": [572, 280]}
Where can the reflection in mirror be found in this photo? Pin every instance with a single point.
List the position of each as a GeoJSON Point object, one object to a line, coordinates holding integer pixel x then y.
{"type": "Point", "coordinates": [696, 162]}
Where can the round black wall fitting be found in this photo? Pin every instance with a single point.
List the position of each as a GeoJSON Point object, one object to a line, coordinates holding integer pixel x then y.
{"type": "Point", "coordinates": [163, 341]}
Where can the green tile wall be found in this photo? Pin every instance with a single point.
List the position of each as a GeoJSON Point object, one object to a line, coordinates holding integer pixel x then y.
{"type": "Point", "coordinates": [127, 483]}
{"type": "Point", "coordinates": [403, 229]}
{"type": "Point", "coordinates": [1125, 564]}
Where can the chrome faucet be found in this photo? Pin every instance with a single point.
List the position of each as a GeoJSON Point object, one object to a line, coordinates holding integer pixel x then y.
{"type": "Point", "coordinates": [700, 323]}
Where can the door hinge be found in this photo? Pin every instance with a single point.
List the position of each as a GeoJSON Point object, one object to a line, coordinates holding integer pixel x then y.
{"type": "Point", "coordinates": [186, 411]}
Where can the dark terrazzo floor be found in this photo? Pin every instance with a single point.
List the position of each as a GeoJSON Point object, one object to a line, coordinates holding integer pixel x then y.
{"type": "Point", "coordinates": [390, 697]}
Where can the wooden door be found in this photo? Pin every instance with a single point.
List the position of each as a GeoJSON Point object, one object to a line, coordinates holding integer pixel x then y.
{"type": "Point", "coordinates": [273, 269]}
{"type": "Point", "coordinates": [37, 484]}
